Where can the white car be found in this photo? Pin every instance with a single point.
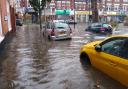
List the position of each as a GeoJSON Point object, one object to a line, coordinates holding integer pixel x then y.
{"type": "Point", "coordinates": [57, 31]}
{"type": "Point", "coordinates": [62, 21]}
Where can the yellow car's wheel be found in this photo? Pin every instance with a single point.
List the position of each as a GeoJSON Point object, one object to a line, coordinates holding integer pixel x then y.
{"type": "Point", "coordinates": [84, 59]}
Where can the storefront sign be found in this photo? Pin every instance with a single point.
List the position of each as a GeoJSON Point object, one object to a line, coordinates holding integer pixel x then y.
{"type": "Point", "coordinates": [84, 12]}
{"type": "Point", "coordinates": [112, 13]}
{"type": "Point", "coordinates": [62, 12]}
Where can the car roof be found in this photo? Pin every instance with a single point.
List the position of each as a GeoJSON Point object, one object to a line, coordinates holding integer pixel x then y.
{"type": "Point", "coordinates": [121, 35]}
{"type": "Point", "coordinates": [102, 24]}
{"type": "Point", "coordinates": [60, 23]}
{"type": "Point", "coordinates": [99, 23]}
{"type": "Point", "coordinates": [58, 20]}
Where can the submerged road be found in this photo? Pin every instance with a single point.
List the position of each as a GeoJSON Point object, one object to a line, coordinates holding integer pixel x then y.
{"type": "Point", "coordinates": [28, 61]}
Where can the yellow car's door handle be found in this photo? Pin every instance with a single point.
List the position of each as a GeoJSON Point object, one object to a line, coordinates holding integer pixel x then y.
{"type": "Point", "coordinates": [113, 64]}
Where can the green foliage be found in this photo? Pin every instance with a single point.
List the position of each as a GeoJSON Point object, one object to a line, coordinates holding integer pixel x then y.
{"type": "Point", "coordinates": [126, 21]}
{"type": "Point", "coordinates": [38, 5]}
{"type": "Point", "coordinates": [114, 24]}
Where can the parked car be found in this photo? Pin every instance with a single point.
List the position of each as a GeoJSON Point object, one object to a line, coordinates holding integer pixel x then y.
{"type": "Point", "coordinates": [100, 28]}
{"type": "Point", "coordinates": [110, 56]}
{"type": "Point", "coordinates": [57, 31]}
{"type": "Point", "coordinates": [62, 21]}
{"type": "Point", "coordinates": [19, 22]}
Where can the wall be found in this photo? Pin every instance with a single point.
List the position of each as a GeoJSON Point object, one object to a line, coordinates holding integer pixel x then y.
{"type": "Point", "coordinates": [4, 16]}
{"type": "Point", "coordinates": [0, 25]}
{"type": "Point", "coordinates": [0, 21]}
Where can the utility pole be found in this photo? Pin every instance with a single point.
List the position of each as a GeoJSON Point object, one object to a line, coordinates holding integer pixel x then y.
{"type": "Point", "coordinates": [106, 10]}
{"type": "Point", "coordinates": [89, 4]}
{"type": "Point", "coordinates": [74, 13]}
{"type": "Point", "coordinates": [40, 14]}
{"type": "Point", "coordinates": [94, 11]}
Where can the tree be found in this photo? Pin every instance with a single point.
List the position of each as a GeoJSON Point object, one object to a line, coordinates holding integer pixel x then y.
{"type": "Point", "coordinates": [38, 6]}
{"type": "Point", "coordinates": [94, 10]}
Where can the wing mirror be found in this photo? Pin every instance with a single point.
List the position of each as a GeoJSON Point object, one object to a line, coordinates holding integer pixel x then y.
{"type": "Point", "coordinates": [98, 48]}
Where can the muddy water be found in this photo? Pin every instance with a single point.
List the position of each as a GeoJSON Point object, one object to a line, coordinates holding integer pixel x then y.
{"type": "Point", "coordinates": [28, 61]}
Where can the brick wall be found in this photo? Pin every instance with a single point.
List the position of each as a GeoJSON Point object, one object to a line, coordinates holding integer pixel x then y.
{"type": "Point", "coordinates": [3, 16]}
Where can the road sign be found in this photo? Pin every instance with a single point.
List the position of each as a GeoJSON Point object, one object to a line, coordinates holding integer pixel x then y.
{"type": "Point", "coordinates": [62, 12]}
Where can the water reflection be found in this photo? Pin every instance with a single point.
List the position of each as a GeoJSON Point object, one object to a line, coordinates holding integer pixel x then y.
{"type": "Point", "coordinates": [30, 62]}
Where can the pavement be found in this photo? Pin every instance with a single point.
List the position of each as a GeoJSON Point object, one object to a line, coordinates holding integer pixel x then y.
{"type": "Point", "coordinates": [1, 38]}
{"type": "Point", "coordinates": [120, 29]}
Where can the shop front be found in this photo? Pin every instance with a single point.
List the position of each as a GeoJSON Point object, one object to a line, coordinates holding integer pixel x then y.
{"type": "Point", "coordinates": [62, 14]}
{"type": "Point", "coordinates": [115, 16]}
{"type": "Point", "coordinates": [83, 16]}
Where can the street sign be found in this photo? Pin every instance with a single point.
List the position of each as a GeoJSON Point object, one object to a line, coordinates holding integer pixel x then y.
{"type": "Point", "coordinates": [62, 12]}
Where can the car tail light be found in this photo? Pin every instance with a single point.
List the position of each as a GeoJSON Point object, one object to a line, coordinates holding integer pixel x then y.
{"type": "Point", "coordinates": [70, 30]}
{"type": "Point", "coordinates": [53, 32]}
{"type": "Point", "coordinates": [102, 29]}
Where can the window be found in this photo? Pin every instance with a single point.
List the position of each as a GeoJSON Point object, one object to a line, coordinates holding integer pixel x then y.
{"type": "Point", "coordinates": [125, 0]}
{"type": "Point", "coordinates": [117, 0]}
{"type": "Point", "coordinates": [61, 26]}
{"type": "Point", "coordinates": [116, 8]}
{"type": "Point", "coordinates": [124, 50]}
{"type": "Point", "coordinates": [96, 25]}
{"type": "Point", "coordinates": [113, 46]}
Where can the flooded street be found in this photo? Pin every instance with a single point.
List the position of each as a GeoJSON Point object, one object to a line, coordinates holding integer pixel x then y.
{"type": "Point", "coordinates": [28, 61]}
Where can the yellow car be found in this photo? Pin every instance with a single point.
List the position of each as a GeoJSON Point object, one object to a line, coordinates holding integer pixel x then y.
{"type": "Point", "coordinates": [110, 56]}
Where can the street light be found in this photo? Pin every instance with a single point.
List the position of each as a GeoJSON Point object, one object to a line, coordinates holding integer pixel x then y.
{"type": "Point", "coordinates": [89, 2]}
{"type": "Point", "coordinates": [40, 14]}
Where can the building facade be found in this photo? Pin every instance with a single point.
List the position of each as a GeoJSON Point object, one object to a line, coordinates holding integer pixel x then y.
{"type": "Point", "coordinates": [20, 6]}
{"type": "Point", "coordinates": [115, 9]}
{"type": "Point", "coordinates": [108, 9]}
{"type": "Point", "coordinates": [7, 17]}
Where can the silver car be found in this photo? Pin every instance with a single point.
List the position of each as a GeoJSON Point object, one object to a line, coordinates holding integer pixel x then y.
{"type": "Point", "coordinates": [57, 31]}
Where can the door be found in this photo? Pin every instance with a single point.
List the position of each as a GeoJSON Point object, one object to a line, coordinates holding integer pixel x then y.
{"type": "Point", "coordinates": [109, 58]}
{"type": "Point", "coordinates": [8, 15]}
{"type": "Point", "coordinates": [123, 64]}
{"type": "Point", "coordinates": [0, 25]}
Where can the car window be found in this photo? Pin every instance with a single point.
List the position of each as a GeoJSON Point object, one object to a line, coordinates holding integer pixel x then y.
{"type": "Point", "coordinates": [61, 25]}
{"type": "Point", "coordinates": [96, 25]}
{"type": "Point", "coordinates": [113, 46]}
{"type": "Point", "coordinates": [124, 50]}
{"type": "Point", "coordinates": [106, 25]}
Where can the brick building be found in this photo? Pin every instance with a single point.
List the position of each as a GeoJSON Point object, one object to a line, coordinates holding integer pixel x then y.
{"type": "Point", "coordinates": [108, 9]}
{"type": "Point", "coordinates": [115, 9]}
{"type": "Point", "coordinates": [7, 17]}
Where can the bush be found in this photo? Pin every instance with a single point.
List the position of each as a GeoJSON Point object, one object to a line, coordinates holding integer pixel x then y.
{"type": "Point", "coordinates": [126, 21]}
{"type": "Point", "coordinates": [114, 24]}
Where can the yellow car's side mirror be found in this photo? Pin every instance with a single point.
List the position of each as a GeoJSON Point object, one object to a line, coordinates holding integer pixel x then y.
{"type": "Point", "coordinates": [98, 48]}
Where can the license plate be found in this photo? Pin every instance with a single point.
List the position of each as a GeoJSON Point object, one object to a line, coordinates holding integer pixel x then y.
{"type": "Point", "coordinates": [62, 32]}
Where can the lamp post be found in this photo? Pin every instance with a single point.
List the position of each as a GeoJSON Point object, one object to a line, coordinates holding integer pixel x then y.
{"type": "Point", "coordinates": [40, 14]}
{"type": "Point", "coordinates": [94, 10]}
{"type": "Point", "coordinates": [89, 4]}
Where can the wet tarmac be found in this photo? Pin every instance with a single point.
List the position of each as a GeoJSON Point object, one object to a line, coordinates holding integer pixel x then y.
{"type": "Point", "coordinates": [28, 61]}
